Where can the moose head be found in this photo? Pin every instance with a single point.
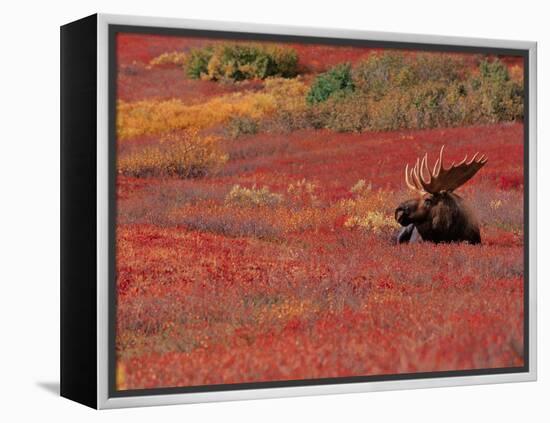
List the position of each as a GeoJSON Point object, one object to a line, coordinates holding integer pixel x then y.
{"type": "Point", "coordinates": [437, 214]}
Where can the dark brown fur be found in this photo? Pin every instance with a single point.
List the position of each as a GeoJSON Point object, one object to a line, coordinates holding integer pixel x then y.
{"type": "Point", "coordinates": [441, 217]}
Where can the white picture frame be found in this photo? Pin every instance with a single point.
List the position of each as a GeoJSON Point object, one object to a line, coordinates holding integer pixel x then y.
{"type": "Point", "coordinates": [102, 315]}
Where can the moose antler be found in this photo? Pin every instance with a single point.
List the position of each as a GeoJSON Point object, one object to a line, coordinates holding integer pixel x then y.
{"type": "Point", "coordinates": [441, 179]}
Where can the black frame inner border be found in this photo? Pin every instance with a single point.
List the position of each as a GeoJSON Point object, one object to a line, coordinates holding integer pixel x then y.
{"type": "Point", "coordinates": [114, 29]}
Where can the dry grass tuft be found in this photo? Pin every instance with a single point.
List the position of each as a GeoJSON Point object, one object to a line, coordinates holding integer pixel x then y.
{"type": "Point", "coordinates": [252, 197]}
{"type": "Point", "coordinates": [186, 155]}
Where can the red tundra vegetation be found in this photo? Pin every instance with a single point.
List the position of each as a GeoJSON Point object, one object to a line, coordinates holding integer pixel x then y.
{"type": "Point", "coordinates": [281, 264]}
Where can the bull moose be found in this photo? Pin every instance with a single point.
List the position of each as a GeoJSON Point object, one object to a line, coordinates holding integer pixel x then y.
{"type": "Point", "coordinates": [438, 214]}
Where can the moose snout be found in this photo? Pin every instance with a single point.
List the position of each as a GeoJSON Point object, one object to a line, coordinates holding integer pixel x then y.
{"type": "Point", "coordinates": [402, 215]}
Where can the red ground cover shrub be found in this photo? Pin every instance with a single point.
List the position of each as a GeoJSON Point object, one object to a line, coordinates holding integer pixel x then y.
{"type": "Point", "coordinates": [315, 299]}
{"type": "Point", "coordinates": [211, 290]}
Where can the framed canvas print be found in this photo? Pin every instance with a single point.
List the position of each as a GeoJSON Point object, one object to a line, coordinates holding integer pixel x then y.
{"type": "Point", "coordinates": [254, 211]}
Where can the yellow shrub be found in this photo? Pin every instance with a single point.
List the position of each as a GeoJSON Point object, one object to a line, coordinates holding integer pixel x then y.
{"type": "Point", "coordinates": [285, 310]}
{"type": "Point", "coordinates": [149, 117]}
{"type": "Point", "coordinates": [179, 154]}
{"type": "Point", "coordinates": [516, 73]}
{"type": "Point", "coordinates": [368, 209]}
{"type": "Point", "coordinates": [373, 221]}
{"type": "Point", "coordinates": [172, 58]}
{"type": "Point", "coordinates": [495, 204]}
{"type": "Point", "coordinates": [248, 197]}
{"type": "Point", "coordinates": [292, 110]}
{"type": "Point", "coordinates": [361, 187]}
{"type": "Point", "coordinates": [306, 219]}
{"type": "Point", "coordinates": [289, 94]}
{"type": "Point", "coordinates": [365, 199]}
{"type": "Point", "coordinates": [121, 376]}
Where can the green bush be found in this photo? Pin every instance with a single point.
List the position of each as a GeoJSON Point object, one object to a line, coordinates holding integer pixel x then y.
{"type": "Point", "coordinates": [238, 62]}
{"type": "Point", "coordinates": [501, 97]}
{"type": "Point", "coordinates": [427, 105]}
{"type": "Point", "coordinates": [342, 114]}
{"type": "Point", "coordinates": [379, 73]}
{"type": "Point", "coordinates": [437, 67]}
{"type": "Point", "coordinates": [285, 60]}
{"type": "Point", "coordinates": [494, 71]}
{"type": "Point", "coordinates": [427, 90]}
{"type": "Point", "coordinates": [390, 112]}
{"type": "Point", "coordinates": [196, 62]}
{"type": "Point", "coordinates": [336, 81]}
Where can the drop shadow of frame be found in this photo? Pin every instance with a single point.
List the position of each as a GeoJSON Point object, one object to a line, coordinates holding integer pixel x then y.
{"type": "Point", "coordinates": [51, 387]}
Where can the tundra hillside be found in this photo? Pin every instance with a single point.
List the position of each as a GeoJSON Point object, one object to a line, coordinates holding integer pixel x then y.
{"type": "Point", "coordinates": [256, 192]}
